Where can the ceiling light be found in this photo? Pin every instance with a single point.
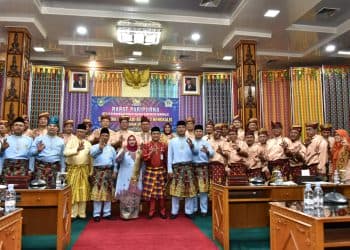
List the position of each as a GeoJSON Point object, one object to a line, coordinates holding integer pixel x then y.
{"type": "Point", "coordinates": [178, 67]}
{"type": "Point", "coordinates": [138, 32]}
{"type": "Point", "coordinates": [137, 53]}
{"type": "Point", "coordinates": [227, 58]}
{"type": "Point", "coordinates": [195, 36]}
{"type": "Point", "coordinates": [271, 13]}
{"type": "Point", "coordinates": [39, 49]}
{"type": "Point", "coordinates": [344, 52]}
{"type": "Point", "coordinates": [82, 30]}
{"type": "Point", "coordinates": [131, 59]}
{"type": "Point", "coordinates": [330, 48]}
{"type": "Point", "coordinates": [142, 1]}
{"type": "Point", "coordinates": [92, 64]}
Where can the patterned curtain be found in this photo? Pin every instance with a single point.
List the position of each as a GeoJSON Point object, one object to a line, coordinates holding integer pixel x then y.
{"type": "Point", "coordinates": [46, 92]}
{"type": "Point", "coordinates": [190, 105]}
{"type": "Point", "coordinates": [2, 81]}
{"type": "Point", "coordinates": [108, 83]}
{"type": "Point", "coordinates": [275, 99]}
{"type": "Point", "coordinates": [307, 100]}
{"type": "Point", "coordinates": [164, 85]}
{"type": "Point", "coordinates": [336, 88]}
{"type": "Point", "coordinates": [76, 104]}
{"type": "Point", "coordinates": [218, 96]}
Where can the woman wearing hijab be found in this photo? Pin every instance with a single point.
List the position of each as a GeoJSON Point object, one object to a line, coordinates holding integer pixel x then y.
{"type": "Point", "coordinates": [341, 154]}
{"type": "Point", "coordinates": [129, 181]}
{"type": "Point", "coordinates": [167, 133]}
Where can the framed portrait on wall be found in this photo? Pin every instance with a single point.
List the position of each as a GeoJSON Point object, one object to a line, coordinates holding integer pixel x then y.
{"type": "Point", "coordinates": [79, 82]}
{"type": "Point", "coordinates": [190, 85]}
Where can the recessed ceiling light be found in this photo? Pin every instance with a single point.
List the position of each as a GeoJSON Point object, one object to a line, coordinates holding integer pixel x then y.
{"type": "Point", "coordinates": [330, 48]}
{"type": "Point", "coordinates": [178, 67]}
{"type": "Point", "coordinates": [81, 30]}
{"type": "Point", "coordinates": [195, 36]}
{"type": "Point", "coordinates": [39, 49]}
{"type": "Point", "coordinates": [92, 64]}
{"type": "Point", "coordinates": [227, 58]}
{"type": "Point", "coordinates": [131, 59]}
{"type": "Point", "coordinates": [137, 53]}
{"type": "Point", "coordinates": [142, 1]}
{"type": "Point", "coordinates": [344, 52]}
{"type": "Point", "coordinates": [271, 13]}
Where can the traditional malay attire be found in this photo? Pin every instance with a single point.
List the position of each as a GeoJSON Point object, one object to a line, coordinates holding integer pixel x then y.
{"type": "Point", "coordinates": [255, 167]}
{"type": "Point", "coordinates": [3, 135]}
{"type": "Point", "coordinates": [144, 137]}
{"type": "Point", "coordinates": [87, 122]}
{"type": "Point", "coordinates": [255, 132]}
{"type": "Point", "coordinates": [155, 155]}
{"type": "Point", "coordinates": [326, 132]}
{"type": "Point", "coordinates": [27, 131]}
{"type": "Point", "coordinates": [66, 137]}
{"type": "Point", "coordinates": [78, 163]}
{"type": "Point", "coordinates": [240, 130]}
{"type": "Point", "coordinates": [42, 128]}
{"type": "Point", "coordinates": [341, 155]}
{"type": "Point", "coordinates": [202, 151]}
{"type": "Point", "coordinates": [122, 134]}
{"type": "Point", "coordinates": [180, 166]}
{"type": "Point", "coordinates": [263, 137]}
{"type": "Point", "coordinates": [50, 159]}
{"type": "Point", "coordinates": [167, 136]}
{"type": "Point", "coordinates": [316, 153]}
{"type": "Point", "coordinates": [95, 135]}
{"type": "Point", "coordinates": [129, 181]}
{"type": "Point", "coordinates": [190, 121]}
{"type": "Point", "coordinates": [209, 133]}
{"type": "Point", "coordinates": [102, 183]}
{"type": "Point", "coordinates": [16, 155]}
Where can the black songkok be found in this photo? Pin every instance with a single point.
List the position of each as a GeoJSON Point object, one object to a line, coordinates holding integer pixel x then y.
{"type": "Point", "coordinates": [104, 131]}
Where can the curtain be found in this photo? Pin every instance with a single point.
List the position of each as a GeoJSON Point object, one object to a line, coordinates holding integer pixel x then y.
{"type": "Point", "coordinates": [107, 83]}
{"type": "Point", "coordinates": [218, 96]}
{"type": "Point", "coordinates": [76, 104]}
{"type": "Point", "coordinates": [275, 99]}
{"type": "Point", "coordinates": [307, 100]}
{"type": "Point", "coordinates": [164, 85]}
{"type": "Point", "coordinates": [2, 82]}
{"type": "Point", "coordinates": [336, 88]}
{"type": "Point", "coordinates": [46, 92]}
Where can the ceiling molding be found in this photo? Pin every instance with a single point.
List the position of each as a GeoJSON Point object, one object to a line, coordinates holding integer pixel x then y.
{"type": "Point", "coordinates": [312, 28]}
{"type": "Point", "coordinates": [218, 66]}
{"type": "Point", "coordinates": [238, 10]}
{"type": "Point", "coordinates": [193, 48]}
{"type": "Point", "coordinates": [246, 33]}
{"type": "Point", "coordinates": [278, 53]}
{"type": "Point", "coordinates": [138, 61]}
{"type": "Point", "coordinates": [85, 43]}
{"type": "Point", "coordinates": [49, 58]}
{"type": "Point", "coordinates": [32, 20]}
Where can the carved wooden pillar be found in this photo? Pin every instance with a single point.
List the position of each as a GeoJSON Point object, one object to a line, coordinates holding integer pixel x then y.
{"type": "Point", "coordinates": [17, 74]}
{"type": "Point", "coordinates": [246, 79]}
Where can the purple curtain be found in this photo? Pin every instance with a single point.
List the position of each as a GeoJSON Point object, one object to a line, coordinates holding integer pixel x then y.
{"type": "Point", "coordinates": [191, 105]}
{"type": "Point", "coordinates": [2, 78]}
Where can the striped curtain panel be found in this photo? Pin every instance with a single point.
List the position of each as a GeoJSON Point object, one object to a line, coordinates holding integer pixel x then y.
{"type": "Point", "coordinates": [275, 99]}
{"type": "Point", "coordinates": [163, 85]}
{"type": "Point", "coordinates": [107, 83]}
{"type": "Point", "coordinates": [46, 92]}
{"type": "Point", "coordinates": [307, 98]}
{"type": "Point", "coordinates": [2, 81]}
{"type": "Point", "coordinates": [218, 97]}
{"type": "Point", "coordinates": [336, 89]}
{"type": "Point", "coordinates": [76, 104]}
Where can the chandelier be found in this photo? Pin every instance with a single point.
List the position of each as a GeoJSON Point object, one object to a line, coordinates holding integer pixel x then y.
{"type": "Point", "coordinates": [138, 32]}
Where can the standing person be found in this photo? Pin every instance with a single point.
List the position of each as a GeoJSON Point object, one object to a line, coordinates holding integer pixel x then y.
{"type": "Point", "coordinates": [252, 126]}
{"type": "Point", "coordinates": [42, 124]}
{"type": "Point", "coordinates": [104, 171]}
{"type": "Point", "coordinates": [77, 153]}
{"type": "Point", "coordinates": [27, 130]}
{"type": "Point", "coordinates": [341, 155]}
{"type": "Point", "coordinates": [190, 121]}
{"type": "Point", "coordinates": [67, 131]}
{"type": "Point", "coordinates": [255, 168]}
{"type": "Point", "coordinates": [225, 130]}
{"type": "Point", "coordinates": [180, 171]}
{"type": "Point", "coordinates": [202, 151]}
{"type": "Point", "coordinates": [4, 132]}
{"type": "Point", "coordinates": [263, 137]}
{"type": "Point", "coordinates": [209, 130]}
{"type": "Point", "coordinates": [15, 151]}
{"type": "Point", "coordinates": [87, 122]}
{"type": "Point", "coordinates": [119, 138]}
{"type": "Point", "coordinates": [94, 138]}
{"type": "Point", "coordinates": [237, 124]}
{"type": "Point", "coordinates": [144, 136]}
{"type": "Point", "coordinates": [48, 152]}
{"type": "Point", "coordinates": [167, 133]}
{"type": "Point", "coordinates": [326, 132]}
{"type": "Point", "coordinates": [129, 181]}
{"type": "Point", "coordinates": [316, 156]}
{"type": "Point", "coordinates": [154, 155]}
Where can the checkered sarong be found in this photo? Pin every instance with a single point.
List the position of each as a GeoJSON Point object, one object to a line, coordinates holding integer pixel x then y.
{"type": "Point", "coordinates": [15, 167]}
{"type": "Point", "coordinates": [183, 183]}
{"type": "Point", "coordinates": [153, 183]}
{"type": "Point", "coordinates": [282, 165]}
{"type": "Point", "coordinates": [218, 173]}
{"type": "Point", "coordinates": [102, 188]}
{"type": "Point", "coordinates": [47, 171]}
{"type": "Point", "coordinates": [202, 177]}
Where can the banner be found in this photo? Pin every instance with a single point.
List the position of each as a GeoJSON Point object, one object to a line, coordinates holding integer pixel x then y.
{"type": "Point", "coordinates": [158, 110]}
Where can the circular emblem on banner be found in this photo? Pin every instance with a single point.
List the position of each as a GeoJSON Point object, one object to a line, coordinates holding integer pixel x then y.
{"type": "Point", "coordinates": [100, 102]}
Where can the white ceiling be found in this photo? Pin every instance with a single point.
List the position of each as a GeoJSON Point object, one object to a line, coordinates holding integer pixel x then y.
{"type": "Point", "coordinates": [297, 36]}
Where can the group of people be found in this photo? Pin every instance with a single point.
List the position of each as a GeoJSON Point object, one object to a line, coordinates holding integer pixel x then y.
{"type": "Point", "coordinates": [103, 165]}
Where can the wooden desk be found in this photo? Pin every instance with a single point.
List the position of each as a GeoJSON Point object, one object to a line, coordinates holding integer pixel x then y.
{"type": "Point", "coordinates": [250, 206]}
{"type": "Point", "coordinates": [47, 211]}
{"type": "Point", "coordinates": [291, 229]}
{"type": "Point", "coordinates": [11, 231]}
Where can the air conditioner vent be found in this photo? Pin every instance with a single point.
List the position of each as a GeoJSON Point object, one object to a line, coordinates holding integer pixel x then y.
{"type": "Point", "coordinates": [326, 12]}
{"type": "Point", "coordinates": [210, 3]}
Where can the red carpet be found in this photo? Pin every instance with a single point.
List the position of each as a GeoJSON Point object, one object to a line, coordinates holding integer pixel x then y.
{"type": "Point", "coordinates": [138, 234]}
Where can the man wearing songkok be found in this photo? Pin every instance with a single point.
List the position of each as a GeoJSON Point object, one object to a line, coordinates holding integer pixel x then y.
{"type": "Point", "coordinates": [78, 161]}
{"type": "Point", "coordinates": [104, 173]}
{"type": "Point", "coordinates": [94, 138]}
{"type": "Point", "coordinates": [218, 162]}
{"type": "Point", "coordinates": [190, 121]}
{"type": "Point", "coordinates": [316, 150]}
{"type": "Point", "coordinates": [225, 129]}
{"type": "Point", "coordinates": [48, 152]}
{"type": "Point", "coordinates": [180, 170]}
{"type": "Point", "coordinates": [155, 155]}
{"type": "Point", "coordinates": [237, 124]}
{"type": "Point", "coordinates": [275, 150]}
{"type": "Point", "coordinates": [263, 137]}
{"type": "Point", "coordinates": [326, 132]}
{"type": "Point", "coordinates": [27, 130]}
{"type": "Point", "coordinates": [42, 124]}
{"type": "Point", "coordinates": [296, 153]}
{"type": "Point", "coordinates": [15, 151]}
{"type": "Point", "coordinates": [120, 137]}
{"type": "Point", "coordinates": [87, 122]}
{"type": "Point", "coordinates": [209, 130]}
{"type": "Point", "coordinates": [202, 152]}
{"type": "Point", "coordinates": [144, 136]}
{"type": "Point", "coordinates": [252, 126]}
{"type": "Point", "coordinates": [67, 131]}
